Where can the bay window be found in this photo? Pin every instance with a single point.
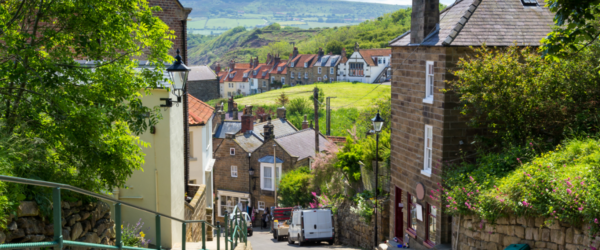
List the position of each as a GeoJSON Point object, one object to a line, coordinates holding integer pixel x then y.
{"type": "Point", "coordinates": [356, 69]}
{"type": "Point", "coordinates": [267, 180]}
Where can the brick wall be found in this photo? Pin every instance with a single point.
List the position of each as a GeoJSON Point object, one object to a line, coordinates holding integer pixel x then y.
{"type": "Point", "coordinates": [409, 117]}
{"type": "Point", "coordinates": [175, 16]}
{"type": "Point", "coordinates": [204, 90]}
{"type": "Point", "coordinates": [222, 167]}
{"type": "Point", "coordinates": [195, 210]}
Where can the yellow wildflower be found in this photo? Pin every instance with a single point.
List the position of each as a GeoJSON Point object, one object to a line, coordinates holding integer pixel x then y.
{"type": "Point", "coordinates": [142, 234]}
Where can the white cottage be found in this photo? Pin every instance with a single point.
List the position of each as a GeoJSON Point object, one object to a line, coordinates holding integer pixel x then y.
{"type": "Point", "coordinates": [366, 65]}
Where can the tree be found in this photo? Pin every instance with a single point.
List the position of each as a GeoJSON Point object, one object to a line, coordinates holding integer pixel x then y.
{"type": "Point", "coordinates": [576, 26]}
{"type": "Point", "coordinates": [282, 99]}
{"type": "Point", "coordinates": [293, 188]}
{"type": "Point", "coordinates": [335, 47]}
{"type": "Point", "coordinates": [281, 48]}
{"type": "Point", "coordinates": [83, 120]}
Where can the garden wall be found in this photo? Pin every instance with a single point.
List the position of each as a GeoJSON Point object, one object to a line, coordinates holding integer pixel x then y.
{"type": "Point", "coordinates": [352, 230]}
{"type": "Point", "coordinates": [80, 222]}
{"type": "Point", "coordinates": [196, 210]}
{"type": "Point", "coordinates": [476, 234]}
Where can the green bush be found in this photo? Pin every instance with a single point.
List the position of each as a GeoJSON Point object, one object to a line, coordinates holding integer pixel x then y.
{"type": "Point", "coordinates": [299, 106]}
{"type": "Point", "coordinates": [560, 185]}
{"type": "Point", "coordinates": [293, 188]}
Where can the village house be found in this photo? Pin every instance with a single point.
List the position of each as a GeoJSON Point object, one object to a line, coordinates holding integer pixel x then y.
{"type": "Point", "coordinates": [279, 71]}
{"type": "Point", "coordinates": [259, 146]}
{"type": "Point", "coordinates": [203, 83]}
{"type": "Point", "coordinates": [427, 129]}
{"type": "Point", "coordinates": [236, 80]}
{"type": "Point", "coordinates": [300, 68]}
{"type": "Point", "coordinates": [366, 65]}
{"type": "Point", "coordinates": [325, 67]}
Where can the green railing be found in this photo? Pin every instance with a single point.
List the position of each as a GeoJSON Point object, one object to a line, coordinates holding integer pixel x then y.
{"type": "Point", "coordinates": [59, 243]}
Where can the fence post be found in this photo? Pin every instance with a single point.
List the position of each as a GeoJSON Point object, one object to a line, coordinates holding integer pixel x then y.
{"type": "Point", "coordinates": [119, 242]}
{"type": "Point", "coordinates": [237, 227]}
{"type": "Point", "coordinates": [226, 230]}
{"type": "Point", "coordinates": [158, 240]}
{"type": "Point", "coordinates": [203, 235]}
{"type": "Point", "coordinates": [184, 238]}
{"type": "Point", "coordinates": [56, 206]}
{"type": "Point", "coordinates": [232, 229]}
{"type": "Point", "coordinates": [218, 235]}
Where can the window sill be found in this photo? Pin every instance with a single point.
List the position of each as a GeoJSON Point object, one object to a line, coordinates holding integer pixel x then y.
{"type": "Point", "coordinates": [193, 159]}
{"type": "Point", "coordinates": [426, 173]}
{"type": "Point", "coordinates": [411, 232]}
{"type": "Point", "coordinates": [429, 244]}
{"type": "Point", "coordinates": [428, 100]}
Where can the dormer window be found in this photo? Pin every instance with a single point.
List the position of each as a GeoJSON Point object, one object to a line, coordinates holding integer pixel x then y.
{"type": "Point", "coordinates": [245, 75]}
{"type": "Point", "coordinates": [306, 65]}
{"type": "Point", "coordinates": [292, 64]}
{"type": "Point", "coordinates": [532, 3]}
{"type": "Point", "coordinates": [278, 68]}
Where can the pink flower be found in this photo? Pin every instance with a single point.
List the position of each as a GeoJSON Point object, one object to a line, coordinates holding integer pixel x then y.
{"type": "Point", "coordinates": [580, 208]}
{"type": "Point", "coordinates": [569, 191]}
{"type": "Point", "coordinates": [596, 220]}
{"type": "Point", "coordinates": [525, 203]}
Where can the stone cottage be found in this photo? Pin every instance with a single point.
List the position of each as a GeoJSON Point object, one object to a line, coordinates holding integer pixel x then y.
{"type": "Point", "coordinates": [426, 127]}
{"type": "Point", "coordinates": [203, 83]}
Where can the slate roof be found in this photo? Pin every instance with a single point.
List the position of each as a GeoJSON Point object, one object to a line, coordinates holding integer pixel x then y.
{"type": "Point", "coordinates": [228, 127]}
{"type": "Point", "coordinates": [200, 73]}
{"type": "Point", "coordinates": [494, 22]}
{"type": "Point", "coordinates": [302, 143]}
{"type": "Point", "coordinates": [229, 115]}
{"type": "Point", "coordinates": [368, 54]}
{"type": "Point", "coordinates": [280, 127]}
{"type": "Point", "coordinates": [198, 111]}
{"type": "Point", "coordinates": [301, 59]}
{"type": "Point", "coordinates": [269, 159]}
{"type": "Point", "coordinates": [249, 141]}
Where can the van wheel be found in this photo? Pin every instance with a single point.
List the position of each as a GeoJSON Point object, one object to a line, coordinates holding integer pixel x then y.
{"type": "Point", "coordinates": [330, 242]}
{"type": "Point", "coordinates": [290, 241]}
{"type": "Point", "coordinates": [300, 243]}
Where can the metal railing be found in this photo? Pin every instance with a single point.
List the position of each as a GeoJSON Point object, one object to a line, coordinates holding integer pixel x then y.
{"type": "Point", "coordinates": [59, 243]}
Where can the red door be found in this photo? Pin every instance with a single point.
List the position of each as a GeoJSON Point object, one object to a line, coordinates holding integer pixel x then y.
{"type": "Point", "coordinates": [399, 215]}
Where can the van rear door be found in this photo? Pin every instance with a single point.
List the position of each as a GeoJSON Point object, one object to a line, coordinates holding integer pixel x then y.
{"type": "Point", "coordinates": [311, 221]}
{"type": "Point", "coordinates": [325, 228]}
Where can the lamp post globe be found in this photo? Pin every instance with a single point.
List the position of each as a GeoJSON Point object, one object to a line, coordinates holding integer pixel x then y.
{"type": "Point", "coordinates": [251, 171]}
{"type": "Point", "coordinates": [179, 76]}
{"type": "Point", "coordinates": [377, 122]}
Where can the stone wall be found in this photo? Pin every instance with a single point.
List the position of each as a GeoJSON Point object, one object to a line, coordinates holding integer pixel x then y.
{"type": "Point", "coordinates": [204, 90]}
{"type": "Point", "coordinates": [352, 230]}
{"type": "Point", "coordinates": [80, 222]}
{"type": "Point", "coordinates": [196, 210]}
{"type": "Point", "coordinates": [476, 234]}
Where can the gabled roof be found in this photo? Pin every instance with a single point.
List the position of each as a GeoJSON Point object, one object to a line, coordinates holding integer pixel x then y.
{"type": "Point", "coordinates": [228, 127]}
{"type": "Point", "coordinates": [280, 127]}
{"type": "Point", "coordinates": [237, 75]}
{"type": "Point", "coordinates": [198, 111]}
{"type": "Point", "coordinates": [199, 73]}
{"type": "Point", "coordinates": [493, 22]}
{"type": "Point", "coordinates": [368, 54]}
{"type": "Point", "coordinates": [249, 141]}
{"type": "Point", "coordinates": [302, 143]}
{"type": "Point", "coordinates": [301, 59]}
{"type": "Point", "coordinates": [328, 61]}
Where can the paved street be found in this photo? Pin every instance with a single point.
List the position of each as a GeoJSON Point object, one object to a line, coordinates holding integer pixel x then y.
{"type": "Point", "coordinates": [263, 240]}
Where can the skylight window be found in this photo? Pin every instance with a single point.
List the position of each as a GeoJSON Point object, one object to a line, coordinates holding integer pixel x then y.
{"type": "Point", "coordinates": [529, 2]}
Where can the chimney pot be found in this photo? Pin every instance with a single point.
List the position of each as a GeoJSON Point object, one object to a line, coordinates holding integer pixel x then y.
{"type": "Point", "coordinates": [230, 135]}
{"type": "Point", "coordinates": [268, 130]}
{"type": "Point", "coordinates": [281, 113]}
{"type": "Point", "coordinates": [424, 19]}
{"type": "Point", "coordinates": [305, 123]}
{"type": "Point", "coordinates": [247, 119]}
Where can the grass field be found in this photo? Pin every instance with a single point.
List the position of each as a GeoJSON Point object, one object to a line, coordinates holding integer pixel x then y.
{"type": "Point", "coordinates": [224, 23]}
{"type": "Point", "coordinates": [359, 95]}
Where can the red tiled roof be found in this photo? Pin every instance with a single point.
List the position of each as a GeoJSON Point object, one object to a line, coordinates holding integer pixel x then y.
{"type": "Point", "coordinates": [242, 65]}
{"type": "Point", "coordinates": [222, 76]}
{"type": "Point", "coordinates": [198, 111]}
{"type": "Point", "coordinates": [367, 54]}
{"type": "Point", "coordinates": [238, 75]}
{"type": "Point", "coordinates": [338, 140]}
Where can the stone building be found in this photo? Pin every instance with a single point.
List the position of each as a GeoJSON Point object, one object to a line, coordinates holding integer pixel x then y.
{"type": "Point", "coordinates": [259, 146]}
{"type": "Point", "coordinates": [203, 83]}
{"type": "Point", "coordinates": [426, 128]}
{"type": "Point", "coordinates": [300, 68]}
{"type": "Point", "coordinates": [325, 67]}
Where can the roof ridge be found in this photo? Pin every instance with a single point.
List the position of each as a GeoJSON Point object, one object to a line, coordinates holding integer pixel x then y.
{"type": "Point", "coordinates": [461, 24]}
{"type": "Point", "coordinates": [292, 133]}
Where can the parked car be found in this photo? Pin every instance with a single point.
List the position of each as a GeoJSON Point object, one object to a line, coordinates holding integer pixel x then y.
{"type": "Point", "coordinates": [279, 226]}
{"type": "Point", "coordinates": [246, 217]}
{"type": "Point", "coordinates": [311, 225]}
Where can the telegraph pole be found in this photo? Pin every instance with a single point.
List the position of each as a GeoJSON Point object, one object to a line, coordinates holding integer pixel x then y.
{"type": "Point", "coordinates": [316, 102]}
{"type": "Point", "coordinates": [329, 114]}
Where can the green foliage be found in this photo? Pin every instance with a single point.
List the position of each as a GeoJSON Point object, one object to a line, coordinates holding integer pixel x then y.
{"type": "Point", "coordinates": [364, 205]}
{"type": "Point", "coordinates": [281, 48]}
{"type": "Point", "coordinates": [133, 236]}
{"type": "Point", "coordinates": [72, 124]}
{"type": "Point", "coordinates": [299, 106]}
{"type": "Point", "coordinates": [282, 99]}
{"type": "Point", "coordinates": [321, 98]}
{"type": "Point", "coordinates": [560, 185]}
{"type": "Point", "coordinates": [576, 26]}
{"type": "Point", "coordinates": [518, 96]}
{"type": "Point", "coordinates": [293, 188]}
{"type": "Point", "coordinates": [349, 159]}
{"type": "Point", "coordinates": [334, 47]}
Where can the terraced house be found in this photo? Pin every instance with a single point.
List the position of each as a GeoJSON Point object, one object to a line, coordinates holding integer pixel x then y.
{"type": "Point", "coordinates": [300, 68]}
{"type": "Point", "coordinates": [427, 130]}
{"type": "Point", "coordinates": [325, 67]}
{"type": "Point", "coordinates": [366, 65]}
{"type": "Point", "coordinates": [236, 80]}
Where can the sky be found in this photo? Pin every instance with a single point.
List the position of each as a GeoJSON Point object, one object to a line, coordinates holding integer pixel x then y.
{"type": "Point", "coordinates": [399, 2]}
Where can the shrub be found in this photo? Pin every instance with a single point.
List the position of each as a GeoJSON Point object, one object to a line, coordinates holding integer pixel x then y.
{"type": "Point", "coordinates": [299, 106]}
{"type": "Point", "coordinates": [293, 188]}
{"type": "Point", "coordinates": [133, 236]}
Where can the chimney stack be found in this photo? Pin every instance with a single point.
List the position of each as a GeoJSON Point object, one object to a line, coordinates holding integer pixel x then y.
{"type": "Point", "coordinates": [295, 53]}
{"type": "Point", "coordinates": [230, 104]}
{"type": "Point", "coordinates": [305, 123]}
{"type": "Point", "coordinates": [343, 53]}
{"type": "Point", "coordinates": [222, 116]}
{"type": "Point", "coordinates": [321, 53]}
{"type": "Point", "coordinates": [247, 119]}
{"type": "Point", "coordinates": [256, 62]}
{"type": "Point", "coordinates": [281, 113]}
{"type": "Point", "coordinates": [218, 68]}
{"type": "Point", "coordinates": [268, 130]}
{"type": "Point", "coordinates": [235, 114]}
{"type": "Point", "coordinates": [231, 65]}
{"type": "Point", "coordinates": [424, 18]}
{"type": "Point", "coordinates": [357, 46]}
{"type": "Point", "coordinates": [277, 58]}
{"type": "Point", "coordinates": [269, 58]}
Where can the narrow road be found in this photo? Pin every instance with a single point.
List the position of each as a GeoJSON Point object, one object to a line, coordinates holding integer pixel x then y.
{"type": "Point", "coordinates": [263, 240]}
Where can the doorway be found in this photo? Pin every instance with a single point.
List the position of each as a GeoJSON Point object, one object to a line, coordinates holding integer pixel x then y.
{"type": "Point", "coordinates": [399, 215]}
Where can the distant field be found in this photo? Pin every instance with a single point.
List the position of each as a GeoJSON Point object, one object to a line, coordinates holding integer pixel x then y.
{"type": "Point", "coordinates": [359, 95]}
{"type": "Point", "coordinates": [328, 25]}
{"type": "Point", "coordinates": [226, 23]}
{"type": "Point", "coordinates": [206, 32]}
{"type": "Point", "coordinates": [286, 23]}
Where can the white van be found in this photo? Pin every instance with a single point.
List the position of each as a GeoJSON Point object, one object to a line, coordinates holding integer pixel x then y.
{"type": "Point", "coordinates": [311, 225]}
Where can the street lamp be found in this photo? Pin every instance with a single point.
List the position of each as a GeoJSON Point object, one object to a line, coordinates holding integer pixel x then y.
{"type": "Point", "coordinates": [377, 125]}
{"type": "Point", "coordinates": [250, 174]}
{"type": "Point", "coordinates": [179, 77]}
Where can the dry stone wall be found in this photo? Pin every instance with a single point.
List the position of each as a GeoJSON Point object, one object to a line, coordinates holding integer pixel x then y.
{"type": "Point", "coordinates": [80, 222]}
{"type": "Point", "coordinates": [353, 230]}
{"type": "Point", "coordinates": [196, 210]}
{"type": "Point", "coordinates": [475, 233]}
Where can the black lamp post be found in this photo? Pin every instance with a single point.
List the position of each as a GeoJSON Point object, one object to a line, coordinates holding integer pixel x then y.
{"type": "Point", "coordinates": [179, 76]}
{"type": "Point", "coordinates": [250, 174]}
{"type": "Point", "coordinates": [377, 125]}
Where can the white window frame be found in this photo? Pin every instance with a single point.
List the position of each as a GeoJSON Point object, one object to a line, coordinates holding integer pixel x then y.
{"type": "Point", "coordinates": [242, 197]}
{"type": "Point", "coordinates": [262, 175]}
{"type": "Point", "coordinates": [264, 83]}
{"type": "Point", "coordinates": [324, 77]}
{"type": "Point", "coordinates": [292, 75]}
{"type": "Point", "coordinates": [234, 171]}
{"type": "Point", "coordinates": [292, 64]}
{"type": "Point", "coordinates": [272, 79]}
{"type": "Point", "coordinates": [306, 65]}
{"type": "Point", "coordinates": [319, 70]}
{"type": "Point", "coordinates": [232, 151]}
{"type": "Point", "coordinates": [305, 75]}
{"type": "Point", "coordinates": [319, 79]}
{"type": "Point", "coordinates": [261, 205]}
{"type": "Point", "coordinates": [282, 80]}
{"type": "Point", "coordinates": [427, 150]}
{"type": "Point", "coordinates": [429, 82]}
{"type": "Point", "coordinates": [331, 71]}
